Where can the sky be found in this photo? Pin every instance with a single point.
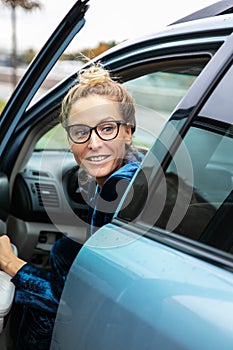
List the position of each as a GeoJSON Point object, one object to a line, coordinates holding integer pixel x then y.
{"type": "Point", "coordinates": [106, 20]}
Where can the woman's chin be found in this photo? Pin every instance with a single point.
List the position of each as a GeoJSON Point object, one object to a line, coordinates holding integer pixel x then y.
{"type": "Point", "coordinates": [99, 171]}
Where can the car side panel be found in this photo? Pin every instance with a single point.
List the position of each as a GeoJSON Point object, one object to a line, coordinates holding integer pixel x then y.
{"type": "Point", "coordinates": [125, 291]}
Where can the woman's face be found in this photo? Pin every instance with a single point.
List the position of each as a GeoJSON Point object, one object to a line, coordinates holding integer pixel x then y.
{"type": "Point", "coordinates": [99, 158]}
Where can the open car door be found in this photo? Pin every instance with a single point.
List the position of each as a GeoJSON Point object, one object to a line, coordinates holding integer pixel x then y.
{"type": "Point", "coordinates": [15, 113]}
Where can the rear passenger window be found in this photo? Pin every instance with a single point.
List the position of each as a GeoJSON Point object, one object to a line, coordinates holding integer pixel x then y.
{"type": "Point", "coordinates": [198, 202]}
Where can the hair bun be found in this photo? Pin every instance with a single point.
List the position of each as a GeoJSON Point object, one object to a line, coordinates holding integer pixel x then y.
{"type": "Point", "coordinates": [93, 75]}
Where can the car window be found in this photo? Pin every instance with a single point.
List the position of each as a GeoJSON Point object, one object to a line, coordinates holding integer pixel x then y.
{"type": "Point", "coordinates": [53, 139]}
{"type": "Point", "coordinates": [192, 196]}
{"type": "Point", "coordinates": [157, 93]}
{"type": "Point", "coordinates": [197, 183]}
{"type": "Point", "coordinates": [61, 70]}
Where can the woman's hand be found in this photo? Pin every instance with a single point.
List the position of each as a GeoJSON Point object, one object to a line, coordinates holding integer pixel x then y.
{"type": "Point", "coordinates": [9, 262]}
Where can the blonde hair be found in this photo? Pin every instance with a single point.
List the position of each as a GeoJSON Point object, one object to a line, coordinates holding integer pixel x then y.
{"type": "Point", "coordinates": [95, 80]}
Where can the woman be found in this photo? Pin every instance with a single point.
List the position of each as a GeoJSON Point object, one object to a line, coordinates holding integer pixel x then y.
{"type": "Point", "coordinates": [99, 116]}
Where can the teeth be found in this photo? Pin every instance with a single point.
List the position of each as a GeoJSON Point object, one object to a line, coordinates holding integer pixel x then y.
{"type": "Point", "coordinates": [97, 159]}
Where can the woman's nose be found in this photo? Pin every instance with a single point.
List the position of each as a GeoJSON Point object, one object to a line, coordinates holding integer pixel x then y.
{"type": "Point", "coordinates": [94, 141]}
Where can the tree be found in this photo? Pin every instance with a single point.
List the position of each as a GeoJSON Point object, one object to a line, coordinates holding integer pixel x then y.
{"type": "Point", "coordinates": [28, 6]}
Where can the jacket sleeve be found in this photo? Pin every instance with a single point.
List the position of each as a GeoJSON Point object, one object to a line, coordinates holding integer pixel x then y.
{"type": "Point", "coordinates": [36, 288]}
{"type": "Point", "coordinates": [42, 289]}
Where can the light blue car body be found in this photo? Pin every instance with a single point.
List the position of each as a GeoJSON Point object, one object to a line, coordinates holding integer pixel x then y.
{"type": "Point", "coordinates": [127, 292]}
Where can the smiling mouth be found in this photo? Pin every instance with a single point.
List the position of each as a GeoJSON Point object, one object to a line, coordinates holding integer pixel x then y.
{"type": "Point", "coordinates": [97, 158]}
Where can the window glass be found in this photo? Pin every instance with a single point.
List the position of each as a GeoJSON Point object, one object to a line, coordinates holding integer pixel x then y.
{"type": "Point", "coordinates": [193, 197]}
{"type": "Point", "coordinates": [189, 191]}
{"type": "Point", "coordinates": [199, 198]}
{"type": "Point", "coordinates": [54, 139]}
{"type": "Point", "coordinates": [156, 94]}
{"type": "Point", "coordinates": [197, 188]}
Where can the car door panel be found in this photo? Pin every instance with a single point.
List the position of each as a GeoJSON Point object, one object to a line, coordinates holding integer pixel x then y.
{"type": "Point", "coordinates": [126, 291]}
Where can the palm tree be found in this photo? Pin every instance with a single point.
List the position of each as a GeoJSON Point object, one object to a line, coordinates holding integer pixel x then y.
{"type": "Point", "coordinates": [28, 6]}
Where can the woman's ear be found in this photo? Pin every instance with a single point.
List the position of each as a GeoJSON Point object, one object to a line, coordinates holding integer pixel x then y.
{"type": "Point", "coordinates": [70, 144]}
{"type": "Point", "coordinates": [128, 135]}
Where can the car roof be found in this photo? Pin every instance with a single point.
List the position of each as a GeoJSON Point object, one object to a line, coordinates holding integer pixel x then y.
{"type": "Point", "coordinates": [216, 9]}
{"type": "Point", "coordinates": [223, 23]}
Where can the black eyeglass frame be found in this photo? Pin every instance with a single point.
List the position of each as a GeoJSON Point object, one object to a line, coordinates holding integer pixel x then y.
{"type": "Point", "coordinates": [117, 122]}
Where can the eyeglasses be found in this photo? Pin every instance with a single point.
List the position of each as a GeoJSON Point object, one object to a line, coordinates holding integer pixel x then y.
{"type": "Point", "coordinates": [108, 130]}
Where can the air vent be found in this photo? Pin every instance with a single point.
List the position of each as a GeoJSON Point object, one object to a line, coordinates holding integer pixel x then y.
{"type": "Point", "coordinates": [40, 173]}
{"type": "Point", "coordinates": [47, 195]}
